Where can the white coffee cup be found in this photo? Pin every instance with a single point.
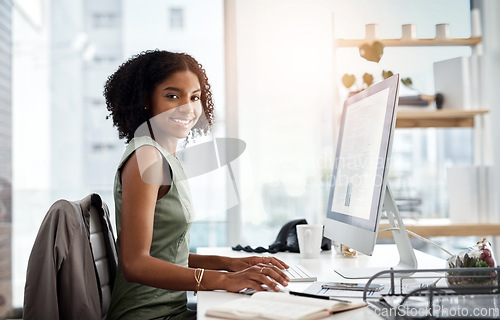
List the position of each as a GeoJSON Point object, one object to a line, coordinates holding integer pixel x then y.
{"type": "Point", "coordinates": [309, 237]}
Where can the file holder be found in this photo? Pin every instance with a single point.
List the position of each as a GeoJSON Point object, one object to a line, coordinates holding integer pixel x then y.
{"type": "Point", "coordinates": [429, 294]}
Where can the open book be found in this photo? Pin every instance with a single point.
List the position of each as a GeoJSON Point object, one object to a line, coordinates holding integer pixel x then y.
{"type": "Point", "coordinates": [279, 305]}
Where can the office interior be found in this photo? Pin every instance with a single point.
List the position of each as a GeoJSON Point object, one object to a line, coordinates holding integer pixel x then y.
{"type": "Point", "coordinates": [276, 69]}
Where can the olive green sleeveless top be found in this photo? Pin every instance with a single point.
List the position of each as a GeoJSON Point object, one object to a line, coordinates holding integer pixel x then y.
{"type": "Point", "coordinates": [172, 220]}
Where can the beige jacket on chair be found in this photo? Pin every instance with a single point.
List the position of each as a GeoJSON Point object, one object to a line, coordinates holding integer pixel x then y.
{"type": "Point", "coordinates": [61, 280]}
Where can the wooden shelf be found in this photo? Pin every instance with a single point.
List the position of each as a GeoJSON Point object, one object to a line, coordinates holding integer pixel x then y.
{"type": "Point", "coordinates": [473, 41]}
{"type": "Point", "coordinates": [447, 118]}
{"type": "Point", "coordinates": [445, 228]}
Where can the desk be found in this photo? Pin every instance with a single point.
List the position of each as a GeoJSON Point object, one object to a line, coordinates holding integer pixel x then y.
{"type": "Point", "coordinates": [323, 268]}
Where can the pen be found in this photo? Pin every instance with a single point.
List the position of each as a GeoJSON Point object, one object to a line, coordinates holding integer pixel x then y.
{"type": "Point", "coordinates": [310, 295]}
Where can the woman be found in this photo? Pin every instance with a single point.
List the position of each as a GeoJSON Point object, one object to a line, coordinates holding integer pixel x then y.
{"type": "Point", "coordinates": [155, 99]}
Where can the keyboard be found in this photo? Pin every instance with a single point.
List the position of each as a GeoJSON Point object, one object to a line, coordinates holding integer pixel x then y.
{"type": "Point", "coordinates": [298, 273]}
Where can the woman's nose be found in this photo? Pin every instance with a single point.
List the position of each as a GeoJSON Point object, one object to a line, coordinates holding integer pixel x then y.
{"type": "Point", "coordinates": [186, 107]}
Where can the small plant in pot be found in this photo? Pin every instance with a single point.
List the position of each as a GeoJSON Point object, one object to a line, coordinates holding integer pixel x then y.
{"type": "Point", "coordinates": [478, 257]}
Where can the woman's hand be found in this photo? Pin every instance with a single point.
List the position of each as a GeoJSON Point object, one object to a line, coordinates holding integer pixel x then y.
{"type": "Point", "coordinates": [239, 264]}
{"type": "Point", "coordinates": [255, 276]}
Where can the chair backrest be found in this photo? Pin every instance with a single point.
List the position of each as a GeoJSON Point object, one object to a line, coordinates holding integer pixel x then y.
{"type": "Point", "coordinates": [104, 252]}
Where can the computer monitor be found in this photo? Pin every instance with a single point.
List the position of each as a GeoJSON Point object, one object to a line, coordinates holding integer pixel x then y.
{"type": "Point", "coordinates": [359, 190]}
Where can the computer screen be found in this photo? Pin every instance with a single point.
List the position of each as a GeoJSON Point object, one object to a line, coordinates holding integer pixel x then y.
{"type": "Point", "coordinates": [359, 179]}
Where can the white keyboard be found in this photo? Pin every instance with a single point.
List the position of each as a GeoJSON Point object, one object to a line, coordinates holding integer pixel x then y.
{"type": "Point", "coordinates": [298, 273]}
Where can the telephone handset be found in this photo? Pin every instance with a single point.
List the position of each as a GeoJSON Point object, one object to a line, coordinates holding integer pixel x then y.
{"type": "Point", "coordinates": [286, 240]}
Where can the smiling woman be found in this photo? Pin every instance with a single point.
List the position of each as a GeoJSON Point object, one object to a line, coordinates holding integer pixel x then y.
{"type": "Point", "coordinates": [155, 99]}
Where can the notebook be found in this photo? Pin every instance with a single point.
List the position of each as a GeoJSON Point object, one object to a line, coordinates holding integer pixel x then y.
{"type": "Point", "coordinates": [278, 305]}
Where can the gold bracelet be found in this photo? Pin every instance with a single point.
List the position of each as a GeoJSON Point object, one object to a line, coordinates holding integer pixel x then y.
{"type": "Point", "coordinates": [198, 276]}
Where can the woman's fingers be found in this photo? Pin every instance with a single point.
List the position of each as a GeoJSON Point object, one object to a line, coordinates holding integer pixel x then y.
{"type": "Point", "coordinates": [272, 276]}
{"type": "Point", "coordinates": [279, 263]}
{"type": "Point", "coordinates": [274, 261]}
{"type": "Point", "coordinates": [282, 277]}
{"type": "Point", "coordinates": [258, 276]}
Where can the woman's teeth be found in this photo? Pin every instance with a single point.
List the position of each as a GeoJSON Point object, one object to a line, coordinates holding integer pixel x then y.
{"type": "Point", "coordinates": [181, 121]}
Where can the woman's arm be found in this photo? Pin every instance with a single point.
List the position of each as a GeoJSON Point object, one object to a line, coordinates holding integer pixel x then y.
{"type": "Point", "coordinates": [139, 195]}
{"type": "Point", "coordinates": [138, 206]}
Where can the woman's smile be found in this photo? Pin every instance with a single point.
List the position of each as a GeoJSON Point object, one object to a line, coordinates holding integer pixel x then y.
{"type": "Point", "coordinates": [182, 121]}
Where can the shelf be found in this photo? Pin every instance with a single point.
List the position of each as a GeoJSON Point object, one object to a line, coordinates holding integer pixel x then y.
{"type": "Point", "coordinates": [473, 41]}
{"type": "Point", "coordinates": [447, 118]}
{"type": "Point", "coordinates": [445, 228]}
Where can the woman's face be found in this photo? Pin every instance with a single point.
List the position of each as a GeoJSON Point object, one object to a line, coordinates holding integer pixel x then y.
{"type": "Point", "coordinates": [176, 105]}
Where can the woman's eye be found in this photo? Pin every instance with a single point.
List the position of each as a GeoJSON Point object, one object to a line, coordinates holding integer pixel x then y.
{"type": "Point", "coordinates": [172, 96]}
{"type": "Point", "coordinates": [195, 98]}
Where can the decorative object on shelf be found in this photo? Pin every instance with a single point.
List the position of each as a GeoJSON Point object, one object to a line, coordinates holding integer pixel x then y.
{"type": "Point", "coordinates": [417, 100]}
{"type": "Point", "coordinates": [387, 74]}
{"type": "Point", "coordinates": [372, 51]}
{"type": "Point", "coordinates": [422, 100]}
{"type": "Point", "coordinates": [409, 32]}
{"type": "Point", "coordinates": [371, 31]}
{"type": "Point", "coordinates": [442, 31]}
{"type": "Point", "coordinates": [367, 79]}
{"type": "Point", "coordinates": [459, 80]}
{"type": "Point", "coordinates": [407, 82]}
{"type": "Point", "coordinates": [349, 80]}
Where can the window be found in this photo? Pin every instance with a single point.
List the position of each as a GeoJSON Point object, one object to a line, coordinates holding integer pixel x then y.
{"type": "Point", "coordinates": [64, 147]}
{"type": "Point", "coordinates": [176, 18]}
{"type": "Point", "coordinates": [105, 20]}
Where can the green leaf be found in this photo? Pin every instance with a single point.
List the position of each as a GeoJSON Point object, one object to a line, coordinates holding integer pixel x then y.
{"type": "Point", "coordinates": [387, 74]}
{"type": "Point", "coordinates": [481, 264]}
{"type": "Point", "coordinates": [407, 82]}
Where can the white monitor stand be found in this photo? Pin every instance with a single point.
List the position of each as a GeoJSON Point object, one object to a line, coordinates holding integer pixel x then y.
{"type": "Point", "coordinates": [407, 259]}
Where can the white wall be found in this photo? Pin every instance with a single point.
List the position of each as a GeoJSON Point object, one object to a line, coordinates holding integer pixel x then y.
{"type": "Point", "coordinates": [491, 40]}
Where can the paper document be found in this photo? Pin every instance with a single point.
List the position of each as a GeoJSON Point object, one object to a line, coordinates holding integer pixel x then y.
{"type": "Point", "coordinates": [406, 286]}
{"type": "Point", "coordinates": [315, 288]}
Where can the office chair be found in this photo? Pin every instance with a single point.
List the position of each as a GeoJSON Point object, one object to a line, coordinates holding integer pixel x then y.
{"type": "Point", "coordinates": [72, 264]}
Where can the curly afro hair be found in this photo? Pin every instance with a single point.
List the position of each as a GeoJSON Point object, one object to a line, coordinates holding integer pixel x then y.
{"type": "Point", "coordinates": [129, 89]}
